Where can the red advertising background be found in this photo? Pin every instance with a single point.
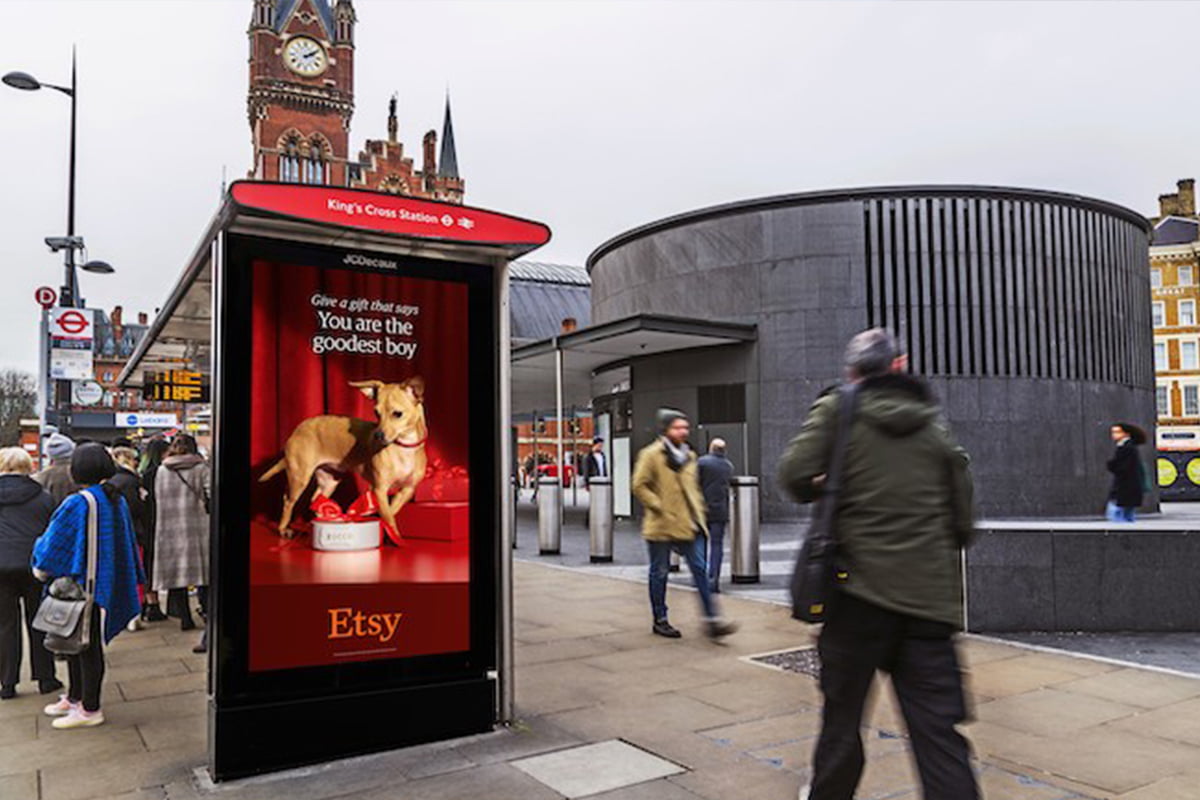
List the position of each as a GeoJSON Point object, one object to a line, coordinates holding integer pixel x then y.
{"type": "Point", "coordinates": [295, 589]}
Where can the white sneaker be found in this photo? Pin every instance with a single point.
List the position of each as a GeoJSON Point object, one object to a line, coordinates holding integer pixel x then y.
{"type": "Point", "coordinates": [135, 625]}
{"type": "Point", "coordinates": [78, 718]}
{"type": "Point", "coordinates": [59, 709]}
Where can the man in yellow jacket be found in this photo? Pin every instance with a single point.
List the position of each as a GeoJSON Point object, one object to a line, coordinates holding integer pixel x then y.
{"type": "Point", "coordinates": [666, 482]}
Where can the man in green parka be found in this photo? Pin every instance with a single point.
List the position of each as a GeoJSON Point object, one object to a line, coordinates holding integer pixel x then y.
{"type": "Point", "coordinates": [903, 515]}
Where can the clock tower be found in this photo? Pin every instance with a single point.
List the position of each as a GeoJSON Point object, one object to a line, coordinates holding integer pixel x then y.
{"type": "Point", "coordinates": [301, 94]}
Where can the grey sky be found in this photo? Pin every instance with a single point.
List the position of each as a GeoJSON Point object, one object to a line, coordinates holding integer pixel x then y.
{"type": "Point", "coordinates": [593, 117]}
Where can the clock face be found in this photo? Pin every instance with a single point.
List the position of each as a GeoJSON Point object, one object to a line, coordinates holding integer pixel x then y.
{"type": "Point", "coordinates": [304, 56]}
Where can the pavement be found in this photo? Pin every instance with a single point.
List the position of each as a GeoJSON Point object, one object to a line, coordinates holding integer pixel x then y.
{"type": "Point", "coordinates": [666, 720]}
{"type": "Point", "coordinates": [1178, 652]}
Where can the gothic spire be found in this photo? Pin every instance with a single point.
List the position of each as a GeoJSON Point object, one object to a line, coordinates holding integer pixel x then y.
{"type": "Point", "coordinates": [448, 163]}
{"type": "Point", "coordinates": [393, 123]}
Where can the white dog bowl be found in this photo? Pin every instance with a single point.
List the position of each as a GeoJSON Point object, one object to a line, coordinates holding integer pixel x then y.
{"type": "Point", "coordinates": [341, 536]}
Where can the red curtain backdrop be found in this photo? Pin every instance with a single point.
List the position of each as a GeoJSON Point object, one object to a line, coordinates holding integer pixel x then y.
{"type": "Point", "coordinates": [291, 383]}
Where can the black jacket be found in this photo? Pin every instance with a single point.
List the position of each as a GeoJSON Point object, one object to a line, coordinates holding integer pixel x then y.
{"type": "Point", "coordinates": [715, 474]}
{"type": "Point", "coordinates": [1125, 465]}
{"type": "Point", "coordinates": [591, 467]}
{"type": "Point", "coordinates": [130, 487]}
{"type": "Point", "coordinates": [25, 510]}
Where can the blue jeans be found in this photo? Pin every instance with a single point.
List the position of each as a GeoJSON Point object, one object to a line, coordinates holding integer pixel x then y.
{"type": "Point", "coordinates": [716, 550]}
{"type": "Point", "coordinates": [1116, 513]}
{"type": "Point", "coordinates": [660, 563]}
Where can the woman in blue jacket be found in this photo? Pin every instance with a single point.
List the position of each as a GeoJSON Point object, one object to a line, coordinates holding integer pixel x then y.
{"type": "Point", "coordinates": [62, 551]}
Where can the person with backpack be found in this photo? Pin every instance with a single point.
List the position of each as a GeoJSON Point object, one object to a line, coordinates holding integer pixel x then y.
{"type": "Point", "coordinates": [181, 538]}
{"type": "Point", "coordinates": [62, 552]}
{"type": "Point", "coordinates": [903, 513]}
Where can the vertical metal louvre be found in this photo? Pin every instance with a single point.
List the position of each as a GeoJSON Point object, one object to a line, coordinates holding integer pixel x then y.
{"type": "Point", "coordinates": [996, 286]}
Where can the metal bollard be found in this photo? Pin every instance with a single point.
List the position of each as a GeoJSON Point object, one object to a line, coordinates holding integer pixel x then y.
{"type": "Point", "coordinates": [549, 516]}
{"type": "Point", "coordinates": [744, 534]}
{"type": "Point", "coordinates": [600, 519]}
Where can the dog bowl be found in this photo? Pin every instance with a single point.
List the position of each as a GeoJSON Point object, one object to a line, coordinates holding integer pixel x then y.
{"type": "Point", "coordinates": [342, 536]}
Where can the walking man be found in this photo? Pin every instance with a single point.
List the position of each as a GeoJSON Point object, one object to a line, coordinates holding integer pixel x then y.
{"type": "Point", "coordinates": [594, 466]}
{"type": "Point", "coordinates": [666, 483]}
{"type": "Point", "coordinates": [716, 471]}
{"type": "Point", "coordinates": [903, 514]}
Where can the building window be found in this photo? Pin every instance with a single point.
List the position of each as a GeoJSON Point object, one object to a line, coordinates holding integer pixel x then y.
{"type": "Point", "coordinates": [1191, 401]}
{"type": "Point", "coordinates": [1158, 314]}
{"type": "Point", "coordinates": [1185, 276]}
{"type": "Point", "coordinates": [1187, 312]}
{"type": "Point", "coordinates": [1160, 357]}
{"type": "Point", "coordinates": [1156, 279]}
{"type": "Point", "coordinates": [1188, 356]}
{"type": "Point", "coordinates": [1161, 400]}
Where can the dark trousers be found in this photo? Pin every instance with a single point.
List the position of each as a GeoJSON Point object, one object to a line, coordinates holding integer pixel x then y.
{"type": "Point", "coordinates": [20, 595]}
{"type": "Point", "coordinates": [86, 670]}
{"type": "Point", "coordinates": [660, 565]}
{"type": "Point", "coordinates": [716, 551]}
{"type": "Point", "coordinates": [860, 638]}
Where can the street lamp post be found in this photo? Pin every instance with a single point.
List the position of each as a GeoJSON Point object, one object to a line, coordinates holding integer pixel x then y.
{"type": "Point", "coordinates": [69, 244]}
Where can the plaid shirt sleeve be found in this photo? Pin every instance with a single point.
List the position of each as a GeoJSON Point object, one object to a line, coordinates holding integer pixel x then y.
{"type": "Point", "coordinates": [61, 549]}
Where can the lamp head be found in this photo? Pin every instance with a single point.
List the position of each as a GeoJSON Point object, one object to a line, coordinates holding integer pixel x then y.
{"type": "Point", "coordinates": [22, 80]}
{"type": "Point", "coordinates": [100, 267]}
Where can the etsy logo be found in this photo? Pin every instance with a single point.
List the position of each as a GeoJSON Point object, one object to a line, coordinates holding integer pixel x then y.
{"type": "Point", "coordinates": [346, 623]}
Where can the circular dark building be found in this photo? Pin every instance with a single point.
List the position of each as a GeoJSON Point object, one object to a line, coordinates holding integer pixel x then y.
{"type": "Point", "coordinates": [1027, 311]}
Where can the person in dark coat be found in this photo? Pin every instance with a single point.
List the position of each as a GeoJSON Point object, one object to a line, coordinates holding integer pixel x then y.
{"type": "Point", "coordinates": [127, 482]}
{"type": "Point", "coordinates": [595, 465]}
{"type": "Point", "coordinates": [152, 457]}
{"type": "Point", "coordinates": [25, 509]}
{"type": "Point", "coordinates": [56, 478]}
{"type": "Point", "coordinates": [1128, 481]}
{"type": "Point", "coordinates": [903, 514]}
{"type": "Point", "coordinates": [716, 471]}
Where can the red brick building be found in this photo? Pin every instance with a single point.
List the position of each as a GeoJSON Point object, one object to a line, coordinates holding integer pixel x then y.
{"type": "Point", "coordinates": [301, 101]}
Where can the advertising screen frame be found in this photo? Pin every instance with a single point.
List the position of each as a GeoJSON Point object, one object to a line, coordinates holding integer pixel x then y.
{"type": "Point", "coordinates": [263, 721]}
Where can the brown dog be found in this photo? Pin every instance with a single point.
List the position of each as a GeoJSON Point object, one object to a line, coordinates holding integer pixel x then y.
{"type": "Point", "coordinates": [389, 453]}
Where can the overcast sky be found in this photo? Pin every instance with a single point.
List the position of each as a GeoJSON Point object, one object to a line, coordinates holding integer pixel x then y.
{"type": "Point", "coordinates": [593, 117]}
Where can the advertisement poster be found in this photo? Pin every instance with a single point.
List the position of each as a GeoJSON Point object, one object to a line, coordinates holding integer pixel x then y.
{"type": "Point", "coordinates": [359, 536]}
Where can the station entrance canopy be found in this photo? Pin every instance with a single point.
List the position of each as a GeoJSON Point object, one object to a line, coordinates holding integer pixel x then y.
{"type": "Point", "coordinates": [571, 360]}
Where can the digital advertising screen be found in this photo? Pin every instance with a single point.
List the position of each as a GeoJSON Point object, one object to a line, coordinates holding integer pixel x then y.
{"type": "Point", "coordinates": [359, 447]}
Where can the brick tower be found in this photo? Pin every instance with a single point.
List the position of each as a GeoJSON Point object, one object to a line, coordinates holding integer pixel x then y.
{"type": "Point", "coordinates": [301, 94]}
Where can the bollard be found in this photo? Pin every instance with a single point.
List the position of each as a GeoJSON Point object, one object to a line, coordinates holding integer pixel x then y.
{"type": "Point", "coordinates": [673, 563]}
{"type": "Point", "coordinates": [600, 519]}
{"type": "Point", "coordinates": [744, 537]}
{"type": "Point", "coordinates": [549, 516]}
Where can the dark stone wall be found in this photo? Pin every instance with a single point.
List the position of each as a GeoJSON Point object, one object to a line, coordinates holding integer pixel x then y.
{"type": "Point", "coordinates": [1032, 411]}
{"type": "Point", "coordinates": [1083, 578]}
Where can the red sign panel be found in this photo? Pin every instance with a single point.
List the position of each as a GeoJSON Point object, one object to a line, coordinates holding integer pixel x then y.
{"type": "Point", "coordinates": [386, 213]}
{"type": "Point", "coordinates": [45, 297]}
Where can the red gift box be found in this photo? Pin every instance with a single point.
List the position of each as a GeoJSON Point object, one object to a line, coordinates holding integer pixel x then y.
{"type": "Point", "coordinates": [446, 522]}
{"type": "Point", "coordinates": [443, 484]}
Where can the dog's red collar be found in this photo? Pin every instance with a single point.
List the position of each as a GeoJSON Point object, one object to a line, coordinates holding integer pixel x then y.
{"type": "Point", "coordinates": [417, 443]}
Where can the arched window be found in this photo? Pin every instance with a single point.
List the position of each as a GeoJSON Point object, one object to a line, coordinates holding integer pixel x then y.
{"type": "Point", "coordinates": [289, 158]}
{"type": "Point", "coordinates": [316, 161]}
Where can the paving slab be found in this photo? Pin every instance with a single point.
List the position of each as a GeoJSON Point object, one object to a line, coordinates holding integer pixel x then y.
{"type": "Point", "coordinates": [595, 768]}
{"type": "Point", "coordinates": [1049, 712]}
{"type": "Point", "coordinates": [1135, 687]}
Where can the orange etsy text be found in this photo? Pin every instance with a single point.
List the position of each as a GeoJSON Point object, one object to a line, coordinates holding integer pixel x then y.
{"type": "Point", "coordinates": [346, 623]}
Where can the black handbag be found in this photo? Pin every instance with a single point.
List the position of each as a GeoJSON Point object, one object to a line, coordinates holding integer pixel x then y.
{"type": "Point", "coordinates": [816, 571]}
{"type": "Point", "coordinates": [65, 613]}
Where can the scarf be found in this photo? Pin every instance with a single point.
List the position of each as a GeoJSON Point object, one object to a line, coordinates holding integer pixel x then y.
{"type": "Point", "coordinates": [676, 456]}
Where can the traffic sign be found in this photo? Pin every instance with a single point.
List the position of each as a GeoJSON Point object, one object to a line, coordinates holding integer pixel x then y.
{"type": "Point", "coordinates": [71, 323]}
{"type": "Point", "coordinates": [45, 297]}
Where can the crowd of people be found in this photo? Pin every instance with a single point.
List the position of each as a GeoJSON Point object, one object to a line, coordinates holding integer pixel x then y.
{"type": "Point", "coordinates": [151, 539]}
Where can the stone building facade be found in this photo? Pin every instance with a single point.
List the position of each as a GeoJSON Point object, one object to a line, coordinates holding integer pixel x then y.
{"type": "Point", "coordinates": [301, 102]}
{"type": "Point", "coordinates": [1175, 295]}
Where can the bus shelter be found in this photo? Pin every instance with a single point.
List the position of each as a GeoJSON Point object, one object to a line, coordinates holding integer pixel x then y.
{"type": "Point", "coordinates": [360, 567]}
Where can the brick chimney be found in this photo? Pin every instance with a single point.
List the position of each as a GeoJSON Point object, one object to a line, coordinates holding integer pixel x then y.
{"type": "Point", "coordinates": [117, 322]}
{"type": "Point", "coordinates": [569, 324]}
{"type": "Point", "coordinates": [430, 165]}
{"type": "Point", "coordinates": [1168, 205]}
{"type": "Point", "coordinates": [1187, 197]}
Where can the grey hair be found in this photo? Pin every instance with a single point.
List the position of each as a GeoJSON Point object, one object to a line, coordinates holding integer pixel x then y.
{"type": "Point", "coordinates": [872, 352]}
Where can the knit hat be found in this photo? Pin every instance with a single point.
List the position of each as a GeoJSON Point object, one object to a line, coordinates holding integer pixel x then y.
{"type": "Point", "coordinates": [59, 446]}
{"type": "Point", "coordinates": [666, 416]}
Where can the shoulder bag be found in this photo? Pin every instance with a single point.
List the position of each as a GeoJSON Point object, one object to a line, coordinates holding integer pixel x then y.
{"type": "Point", "coordinates": [65, 614]}
{"type": "Point", "coordinates": [198, 494]}
{"type": "Point", "coordinates": [815, 573]}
